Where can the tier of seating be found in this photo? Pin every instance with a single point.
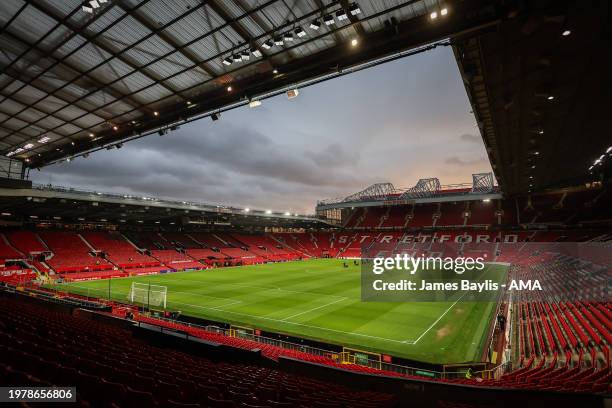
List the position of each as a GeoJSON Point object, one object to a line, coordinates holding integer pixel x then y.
{"type": "Point", "coordinates": [120, 251]}
{"type": "Point", "coordinates": [16, 275]}
{"type": "Point", "coordinates": [111, 368]}
{"type": "Point", "coordinates": [26, 242]}
{"type": "Point", "coordinates": [71, 253]}
{"type": "Point", "coordinates": [7, 251]}
{"type": "Point", "coordinates": [175, 259]}
{"type": "Point", "coordinates": [554, 209]}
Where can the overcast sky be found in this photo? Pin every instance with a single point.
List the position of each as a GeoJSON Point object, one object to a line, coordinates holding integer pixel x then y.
{"type": "Point", "coordinates": [397, 122]}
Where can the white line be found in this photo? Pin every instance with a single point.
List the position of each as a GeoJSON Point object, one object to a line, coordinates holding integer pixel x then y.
{"type": "Point", "coordinates": [293, 323]}
{"type": "Point", "coordinates": [443, 314]}
{"type": "Point", "coordinates": [434, 323]}
{"type": "Point", "coordinates": [314, 308]}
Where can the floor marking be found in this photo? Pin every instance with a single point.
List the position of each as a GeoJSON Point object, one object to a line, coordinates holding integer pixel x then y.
{"type": "Point", "coordinates": [434, 323]}
{"type": "Point", "coordinates": [315, 308]}
{"type": "Point", "coordinates": [293, 323]}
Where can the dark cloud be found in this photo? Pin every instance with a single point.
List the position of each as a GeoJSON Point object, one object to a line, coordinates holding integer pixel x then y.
{"type": "Point", "coordinates": [336, 138]}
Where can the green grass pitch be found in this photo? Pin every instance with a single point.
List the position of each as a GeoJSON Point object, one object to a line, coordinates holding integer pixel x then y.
{"type": "Point", "coordinates": [319, 300]}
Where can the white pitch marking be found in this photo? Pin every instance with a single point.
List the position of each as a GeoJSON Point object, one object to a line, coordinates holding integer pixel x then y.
{"type": "Point", "coordinates": [314, 308]}
{"type": "Point", "coordinates": [294, 323]}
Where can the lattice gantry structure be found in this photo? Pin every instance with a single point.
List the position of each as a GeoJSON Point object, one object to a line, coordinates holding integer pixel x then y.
{"type": "Point", "coordinates": [424, 188]}
{"type": "Point", "coordinates": [482, 182]}
{"type": "Point", "coordinates": [374, 192]}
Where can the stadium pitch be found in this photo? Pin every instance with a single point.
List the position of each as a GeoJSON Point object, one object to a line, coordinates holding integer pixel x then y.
{"type": "Point", "coordinates": [319, 300]}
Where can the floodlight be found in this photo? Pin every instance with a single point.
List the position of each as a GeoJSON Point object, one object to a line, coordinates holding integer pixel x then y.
{"type": "Point", "coordinates": [255, 52]}
{"type": "Point", "coordinates": [278, 41]}
{"type": "Point", "coordinates": [354, 42]}
{"type": "Point", "coordinates": [28, 146]}
{"type": "Point", "coordinates": [247, 209]}
{"type": "Point", "coordinates": [87, 9]}
{"type": "Point", "coordinates": [354, 9]}
{"type": "Point", "coordinates": [237, 57]}
{"type": "Point", "coordinates": [315, 25]}
{"type": "Point", "coordinates": [268, 44]}
{"type": "Point", "coordinates": [94, 4]}
{"type": "Point", "coordinates": [288, 37]}
{"type": "Point", "coordinates": [246, 55]}
{"type": "Point", "coordinates": [486, 200]}
{"type": "Point", "coordinates": [444, 11]}
{"type": "Point", "coordinates": [268, 212]}
{"type": "Point", "coordinates": [292, 93]}
{"type": "Point", "coordinates": [229, 88]}
{"type": "Point", "coordinates": [565, 33]}
{"type": "Point", "coordinates": [287, 213]}
{"type": "Point", "coordinates": [433, 15]}
{"type": "Point", "coordinates": [329, 20]}
{"type": "Point", "coordinates": [227, 61]}
{"type": "Point", "coordinates": [254, 104]}
{"type": "Point", "coordinates": [300, 32]}
{"type": "Point", "coordinates": [609, 149]}
{"type": "Point", "coordinates": [341, 15]}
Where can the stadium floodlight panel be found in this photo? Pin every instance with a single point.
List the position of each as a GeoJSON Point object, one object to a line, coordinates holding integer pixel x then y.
{"type": "Point", "coordinates": [278, 41]}
{"type": "Point", "coordinates": [28, 146]}
{"type": "Point", "coordinates": [43, 140]}
{"type": "Point", "coordinates": [315, 24]}
{"type": "Point", "coordinates": [329, 20]}
{"type": "Point", "coordinates": [341, 15]}
{"type": "Point", "coordinates": [227, 61]}
{"type": "Point", "coordinates": [94, 4]}
{"type": "Point", "coordinates": [354, 9]}
{"type": "Point", "coordinates": [287, 213]}
{"type": "Point", "coordinates": [87, 9]}
{"type": "Point", "coordinates": [237, 57]}
{"type": "Point", "coordinates": [268, 211]}
{"type": "Point", "coordinates": [609, 149]}
{"type": "Point", "coordinates": [246, 55]}
{"type": "Point", "coordinates": [256, 52]}
{"type": "Point", "coordinates": [288, 37]}
{"type": "Point", "coordinates": [300, 32]}
{"type": "Point", "coordinates": [254, 104]}
{"type": "Point", "coordinates": [268, 44]}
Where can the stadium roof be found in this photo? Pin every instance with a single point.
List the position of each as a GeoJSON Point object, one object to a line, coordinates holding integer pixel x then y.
{"type": "Point", "coordinates": [541, 90]}
{"type": "Point", "coordinates": [74, 80]}
{"type": "Point", "coordinates": [54, 204]}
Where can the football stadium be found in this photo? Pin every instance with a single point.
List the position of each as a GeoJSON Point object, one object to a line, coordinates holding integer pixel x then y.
{"type": "Point", "coordinates": [190, 255]}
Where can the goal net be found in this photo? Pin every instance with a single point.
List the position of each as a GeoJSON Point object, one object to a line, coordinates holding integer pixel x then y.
{"type": "Point", "coordinates": [147, 294]}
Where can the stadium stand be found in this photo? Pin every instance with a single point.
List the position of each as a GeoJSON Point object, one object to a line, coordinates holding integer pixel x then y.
{"type": "Point", "coordinates": [73, 258]}
{"type": "Point", "coordinates": [175, 259]}
{"type": "Point", "coordinates": [121, 253]}
{"type": "Point", "coordinates": [114, 368]}
{"type": "Point", "coordinates": [26, 242]}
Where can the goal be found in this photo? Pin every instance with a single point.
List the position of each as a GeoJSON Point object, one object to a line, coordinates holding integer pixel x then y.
{"type": "Point", "coordinates": [147, 294]}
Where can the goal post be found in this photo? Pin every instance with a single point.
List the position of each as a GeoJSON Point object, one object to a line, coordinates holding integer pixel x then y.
{"type": "Point", "coordinates": [147, 294]}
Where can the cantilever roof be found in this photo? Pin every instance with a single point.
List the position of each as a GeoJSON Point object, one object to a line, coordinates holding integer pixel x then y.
{"type": "Point", "coordinates": [68, 77]}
